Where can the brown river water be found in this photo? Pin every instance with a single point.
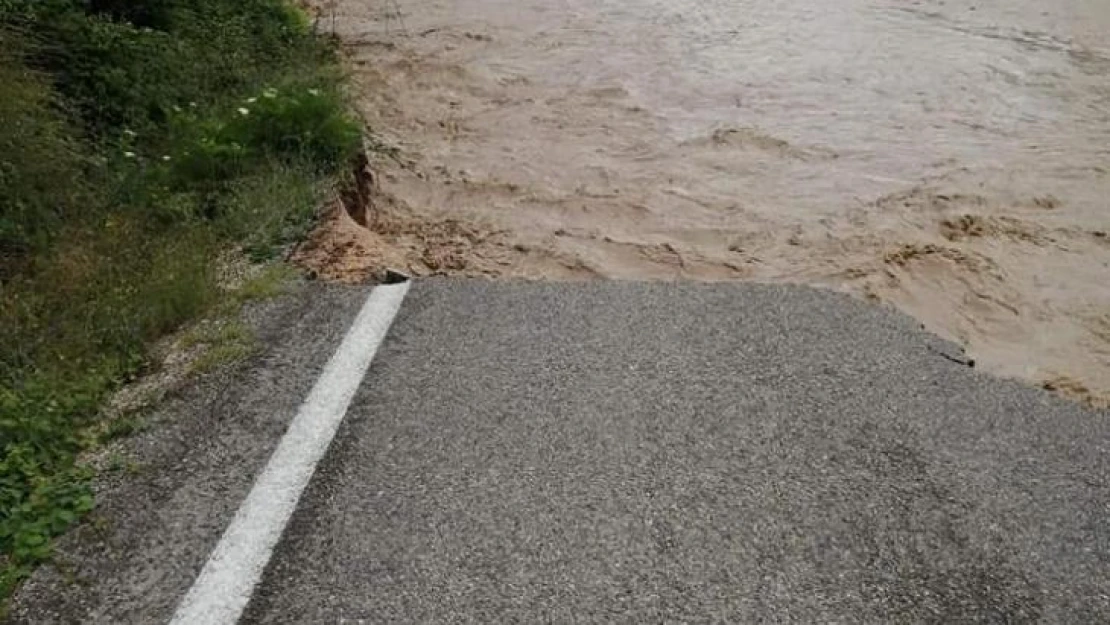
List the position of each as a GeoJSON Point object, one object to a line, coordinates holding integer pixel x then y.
{"type": "Point", "coordinates": [951, 159]}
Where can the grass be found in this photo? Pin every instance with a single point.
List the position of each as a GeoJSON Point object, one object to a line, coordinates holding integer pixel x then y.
{"type": "Point", "coordinates": [126, 425]}
{"type": "Point", "coordinates": [220, 355]}
{"type": "Point", "coordinates": [119, 464]}
{"type": "Point", "coordinates": [142, 140]}
{"type": "Point", "coordinates": [272, 281]}
{"type": "Point", "coordinates": [217, 333]}
{"type": "Point", "coordinates": [224, 342]}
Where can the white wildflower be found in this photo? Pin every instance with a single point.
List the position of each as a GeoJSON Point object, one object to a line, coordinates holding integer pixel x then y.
{"type": "Point", "coordinates": [243, 111]}
{"type": "Point", "coordinates": [165, 157]}
{"type": "Point", "coordinates": [252, 100]}
{"type": "Point", "coordinates": [129, 155]}
{"type": "Point", "coordinates": [314, 92]}
{"type": "Point", "coordinates": [269, 93]}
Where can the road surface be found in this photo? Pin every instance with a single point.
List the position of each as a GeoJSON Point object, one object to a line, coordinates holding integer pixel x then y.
{"type": "Point", "coordinates": [623, 452]}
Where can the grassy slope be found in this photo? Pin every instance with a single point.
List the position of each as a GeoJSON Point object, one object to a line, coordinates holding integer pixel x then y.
{"type": "Point", "coordinates": [140, 140]}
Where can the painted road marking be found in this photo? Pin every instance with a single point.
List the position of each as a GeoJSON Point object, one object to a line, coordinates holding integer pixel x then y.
{"type": "Point", "coordinates": [226, 583]}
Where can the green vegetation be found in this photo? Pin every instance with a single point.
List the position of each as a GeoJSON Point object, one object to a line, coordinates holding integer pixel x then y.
{"type": "Point", "coordinates": [224, 341]}
{"type": "Point", "coordinates": [141, 139]}
{"type": "Point", "coordinates": [123, 426]}
{"type": "Point", "coordinates": [272, 281]}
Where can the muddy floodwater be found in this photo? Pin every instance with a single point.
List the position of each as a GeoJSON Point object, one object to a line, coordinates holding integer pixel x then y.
{"type": "Point", "coordinates": [951, 159]}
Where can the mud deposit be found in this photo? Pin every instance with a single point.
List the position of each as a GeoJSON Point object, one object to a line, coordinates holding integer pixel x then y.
{"type": "Point", "coordinates": [950, 158]}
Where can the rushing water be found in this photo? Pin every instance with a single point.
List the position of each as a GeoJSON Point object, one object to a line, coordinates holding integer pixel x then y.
{"type": "Point", "coordinates": [951, 158]}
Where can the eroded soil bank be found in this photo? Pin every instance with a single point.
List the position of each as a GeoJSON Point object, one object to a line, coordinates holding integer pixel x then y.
{"type": "Point", "coordinates": [950, 158]}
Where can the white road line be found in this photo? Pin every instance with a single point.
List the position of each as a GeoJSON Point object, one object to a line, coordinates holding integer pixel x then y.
{"type": "Point", "coordinates": [224, 587]}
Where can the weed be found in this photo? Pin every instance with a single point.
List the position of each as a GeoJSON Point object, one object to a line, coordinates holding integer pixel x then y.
{"type": "Point", "coordinates": [224, 341]}
{"type": "Point", "coordinates": [270, 282]}
{"type": "Point", "coordinates": [216, 333]}
{"type": "Point", "coordinates": [271, 209]}
{"type": "Point", "coordinates": [46, 179]}
{"type": "Point", "coordinates": [117, 463]}
{"type": "Point", "coordinates": [221, 355]}
{"type": "Point", "coordinates": [142, 139]}
{"type": "Point", "coordinates": [123, 426]}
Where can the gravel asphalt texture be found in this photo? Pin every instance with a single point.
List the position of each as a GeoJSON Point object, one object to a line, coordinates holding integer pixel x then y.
{"type": "Point", "coordinates": [622, 452]}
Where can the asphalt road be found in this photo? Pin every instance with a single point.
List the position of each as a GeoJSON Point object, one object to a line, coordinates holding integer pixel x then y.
{"type": "Point", "coordinates": [646, 453]}
{"type": "Point", "coordinates": [617, 452]}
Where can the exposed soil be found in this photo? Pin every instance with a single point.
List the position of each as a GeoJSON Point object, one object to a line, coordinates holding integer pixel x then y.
{"type": "Point", "coordinates": [947, 158]}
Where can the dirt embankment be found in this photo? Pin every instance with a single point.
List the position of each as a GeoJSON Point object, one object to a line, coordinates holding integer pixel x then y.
{"type": "Point", "coordinates": [966, 189]}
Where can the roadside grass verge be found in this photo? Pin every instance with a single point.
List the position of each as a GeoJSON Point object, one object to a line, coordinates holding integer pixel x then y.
{"type": "Point", "coordinates": [142, 140]}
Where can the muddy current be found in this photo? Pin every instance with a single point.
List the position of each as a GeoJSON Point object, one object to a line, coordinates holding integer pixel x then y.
{"type": "Point", "coordinates": [949, 158]}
